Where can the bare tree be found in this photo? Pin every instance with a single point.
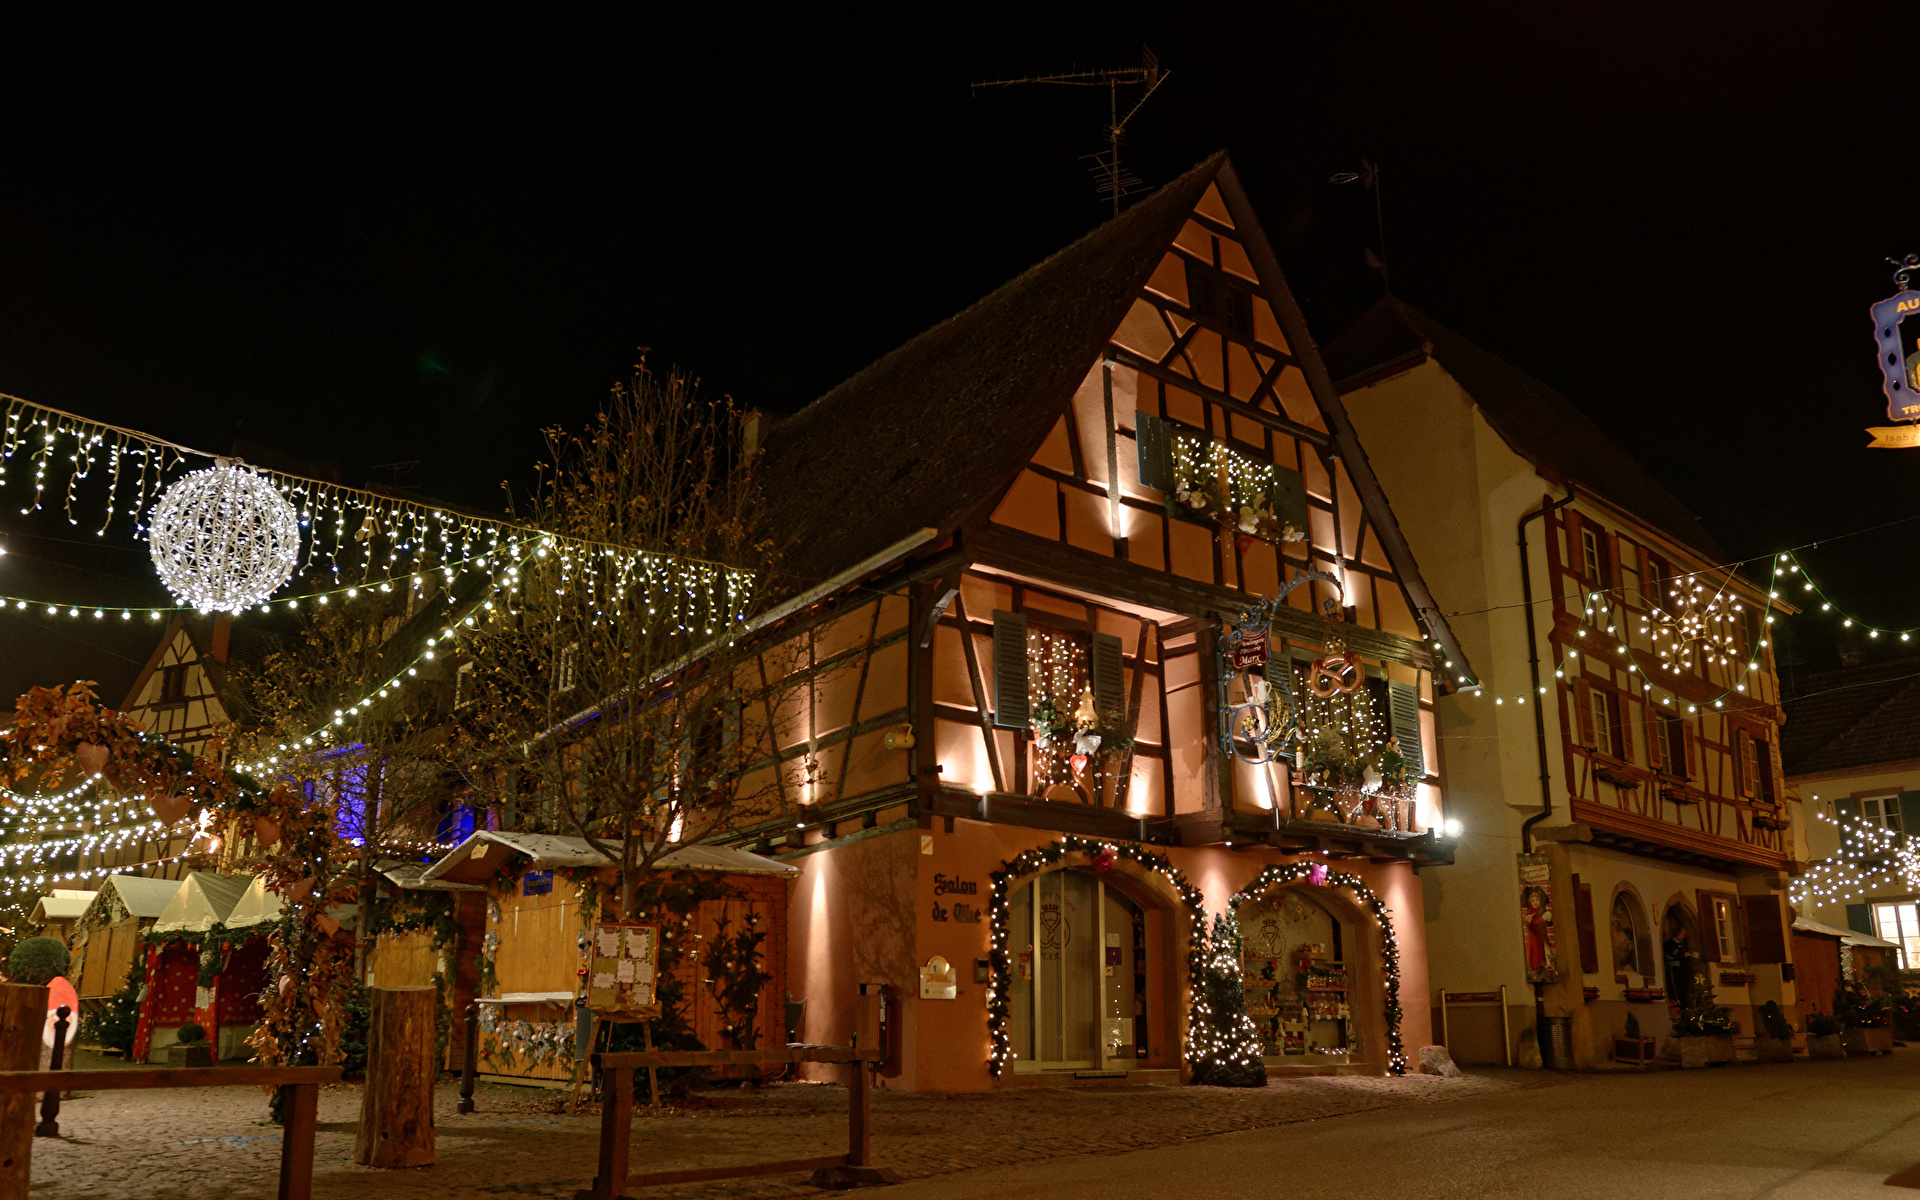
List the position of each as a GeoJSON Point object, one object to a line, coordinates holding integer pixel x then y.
{"type": "Point", "coordinates": [617, 699]}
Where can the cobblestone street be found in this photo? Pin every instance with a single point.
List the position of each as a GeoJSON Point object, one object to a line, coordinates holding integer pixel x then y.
{"type": "Point", "coordinates": [215, 1145]}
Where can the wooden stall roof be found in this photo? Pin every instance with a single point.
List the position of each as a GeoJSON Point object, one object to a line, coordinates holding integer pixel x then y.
{"type": "Point", "coordinates": [138, 895]}
{"type": "Point", "coordinates": [410, 877]}
{"type": "Point", "coordinates": [481, 856]}
{"type": "Point", "coordinates": [203, 900]}
{"type": "Point", "coordinates": [64, 904]}
{"type": "Point", "coordinates": [1851, 937]}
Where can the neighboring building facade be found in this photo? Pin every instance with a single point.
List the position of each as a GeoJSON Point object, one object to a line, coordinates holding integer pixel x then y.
{"type": "Point", "coordinates": [1852, 754]}
{"type": "Point", "coordinates": [1652, 791]}
{"type": "Point", "coordinates": [1032, 521]}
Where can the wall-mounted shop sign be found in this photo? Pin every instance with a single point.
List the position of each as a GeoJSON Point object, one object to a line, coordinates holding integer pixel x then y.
{"type": "Point", "coordinates": [1897, 347]}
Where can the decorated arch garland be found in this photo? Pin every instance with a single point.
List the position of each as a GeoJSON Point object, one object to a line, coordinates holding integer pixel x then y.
{"type": "Point", "coordinates": [1317, 873]}
{"type": "Point", "coordinates": [999, 1005]}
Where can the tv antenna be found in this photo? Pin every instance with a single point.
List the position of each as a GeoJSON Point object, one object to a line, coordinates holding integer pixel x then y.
{"type": "Point", "coordinates": [1112, 180]}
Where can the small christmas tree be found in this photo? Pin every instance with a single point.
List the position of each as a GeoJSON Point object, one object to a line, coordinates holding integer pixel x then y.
{"type": "Point", "coordinates": [1226, 1043]}
{"type": "Point", "coordinates": [1702, 1016]}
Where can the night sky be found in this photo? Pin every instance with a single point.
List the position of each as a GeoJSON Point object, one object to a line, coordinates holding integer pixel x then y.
{"type": "Point", "coordinates": [370, 240]}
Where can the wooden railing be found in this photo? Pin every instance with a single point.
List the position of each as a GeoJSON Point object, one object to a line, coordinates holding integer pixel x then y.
{"type": "Point", "coordinates": [296, 1142]}
{"type": "Point", "coordinates": [616, 1115]}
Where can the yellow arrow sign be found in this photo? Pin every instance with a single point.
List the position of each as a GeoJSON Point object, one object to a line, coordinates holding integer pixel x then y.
{"type": "Point", "coordinates": [1894, 437]}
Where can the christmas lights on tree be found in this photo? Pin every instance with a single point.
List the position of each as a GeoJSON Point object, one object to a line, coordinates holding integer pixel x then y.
{"type": "Point", "coordinates": [1225, 1043]}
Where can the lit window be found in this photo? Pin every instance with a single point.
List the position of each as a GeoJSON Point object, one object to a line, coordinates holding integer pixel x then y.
{"type": "Point", "coordinates": [1900, 924]}
{"type": "Point", "coordinates": [1723, 929]}
{"type": "Point", "coordinates": [1883, 811]}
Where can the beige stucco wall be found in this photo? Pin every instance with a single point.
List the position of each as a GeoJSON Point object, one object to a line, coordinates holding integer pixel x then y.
{"type": "Point", "coordinates": [1822, 837]}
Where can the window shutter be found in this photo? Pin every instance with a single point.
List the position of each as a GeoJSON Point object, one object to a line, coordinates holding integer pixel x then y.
{"type": "Point", "coordinates": [1576, 549]}
{"type": "Point", "coordinates": [1847, 808]}
{"type": "Point", "coordinates": [1744, 755]}
{"type": "Point", "coordinates": [1709, 928]}
{"type": "Point", "coordinates": [1583, 708]}
{"type": "Point", "coordinates": [1010, 670]}
{"type": "Point", "coordinates": [1622, 728]}
{"type": "Point", "coordinates": [1155, 445]}
{"type": "Point", "coordinates": [1909, 815]}
{"type": "Point", "coordinates": [1860, 919]}
{"type": "Point", "coordinates": [1766, 936]}
{"type": "Point", "coordinates": [1107, 674]}
{"type": "Point", "coordinates": [1693, 750]}
{"type": "Point", "coordinates": [1583, 925]}
{"type": "Point", "coordinates": [1403, 706]}
{"type": "Point", "coordinates": [1289, 497]}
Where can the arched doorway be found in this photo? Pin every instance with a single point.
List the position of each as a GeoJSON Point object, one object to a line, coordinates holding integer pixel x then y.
{"type": "Point", "coordinates": [1680, 953]}
{"type": "Point", "coordinates": [1295, 964]}
{"type": "Point", "coordinates": [1078, 995]}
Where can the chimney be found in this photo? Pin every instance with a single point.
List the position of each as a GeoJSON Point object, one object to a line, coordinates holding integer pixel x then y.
{"type": "Point", "coordinates": [222, 633]}
{"type": "Point", "coordinates": [755, 425]}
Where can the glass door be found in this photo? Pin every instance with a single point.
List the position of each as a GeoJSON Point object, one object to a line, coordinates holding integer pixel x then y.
{"type": "Point", "coordinates": [1058, 928]}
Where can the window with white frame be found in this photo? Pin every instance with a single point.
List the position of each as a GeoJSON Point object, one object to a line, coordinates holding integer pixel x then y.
{"type": "Point", "coordinates": [1900, 924]}
{"type": "Point", "coordinates": [1883, 811]}
{"type": "Point", "coordinates": [1725, 929]}
{"type": "Point", "coordinates": [1590, 552]}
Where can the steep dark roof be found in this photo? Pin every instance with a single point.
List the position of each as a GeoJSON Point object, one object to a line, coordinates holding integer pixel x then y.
{"type": "Point", "coordinates": [1856, 717]}
{"type": "Point", "coordinates": [1539, 423]}
{"type": "Point", "coordinates": [928, 432]}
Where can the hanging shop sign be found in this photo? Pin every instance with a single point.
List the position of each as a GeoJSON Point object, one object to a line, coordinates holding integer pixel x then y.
{"type": "Point", "coordinates": [1898, 355]}
{"type": "Point", "coordinates": [1536, 919]}
{"type": "Point", "coordinates": [1261, 723]}
{"type": "Point", "coordinates": [622, 965]}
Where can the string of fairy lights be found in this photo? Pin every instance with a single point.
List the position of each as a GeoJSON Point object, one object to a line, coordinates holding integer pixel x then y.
{"type": "Point", "coordinates": [356, 537]}
{"type": "Point", "coordinates": [1869, 858]}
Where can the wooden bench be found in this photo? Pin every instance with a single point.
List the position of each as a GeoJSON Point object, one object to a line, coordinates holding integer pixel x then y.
{"type": "Point", "coordinates": [296, 1142]}
{"type": "Point", "coordinates": [616, 1116]}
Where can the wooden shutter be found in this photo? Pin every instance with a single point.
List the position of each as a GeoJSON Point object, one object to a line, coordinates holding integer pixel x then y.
{"type": "Point", "coordinates": [1583, 926]}
{"type": "Point", "coordinates": [1576, 549]}
{"type": "Point", "coordinates": [1289, 497]}
{"type": "Point", "coordinates": [1010, 670]}
{"type": "Point", "coordinates": [1154, 442]}
{"type": "Point", "coordinates": [1748, 760]}
{"type": "Point", "coordinates": [1583, 710]}
{"type": "Point", "coordinates": [1847, 808]}
{"type": "Point", "coordinates": [1622, 728]}
{"type": "Point", "coordinates": [1107, 675]}
{"type": "Point", "coordinates": [1403, 707]}
{"type": "Point", "coordinates": [1656, 746]}
{"type": "Point", "coordinates": [1860, 919]}
{"type": "Point", "coordinates": [1766, 932]}
{"type": "Point", "coordinates": [1709, 927]}
{"type": "Point", "coordinates": [1692, 740]}
{"type": "Point", "coordinates": [1909, 815]}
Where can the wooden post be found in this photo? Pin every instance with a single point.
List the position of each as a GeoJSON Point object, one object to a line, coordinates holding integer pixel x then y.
{"type": "Point", "coordinates": [470, 1060]}
{"type": "Point", "coordinates": [616, 1130]}
{"type": "Point", "coordinates": [859, 1128]}
{"type": "Point", "coordinates": [296, 1142]}
{"type": "Point", "coordinates": [49, 1125]}
{"type": "Point", "coordinates": [653, 1073]}
{"type": "Point", "coordinates": [23, 1022]}
{"type": "Point", "coordinates": [396, 1109]}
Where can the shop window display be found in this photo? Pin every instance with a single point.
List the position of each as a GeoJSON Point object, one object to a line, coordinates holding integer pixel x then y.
{"type": "Point", "coordinates": [1296, 976]}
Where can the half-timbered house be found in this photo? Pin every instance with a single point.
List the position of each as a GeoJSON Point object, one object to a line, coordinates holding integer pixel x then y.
{"type": "Point", "coordinates": [1026, 772]}
{"type": "Point", "coordinates": [1624, 729]}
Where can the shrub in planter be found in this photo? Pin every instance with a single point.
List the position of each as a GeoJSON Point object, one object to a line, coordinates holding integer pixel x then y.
{"type": "Point", "coordinates": [1703, 1034]}
{"type": "Point", "coordinates": [1774, 1042]}
{"type": "Point", "coordinates": [1823, 1036]}
{"type": "Point", "coordinates": [37, 960]}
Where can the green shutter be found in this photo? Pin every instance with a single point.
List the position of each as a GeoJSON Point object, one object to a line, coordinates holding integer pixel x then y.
{"type": "Point", "coordinates": [1154, 442]}
{"type": "Point", "coordinates": [1107, 677]}
{"type": "Point", "coordinates": [1846, 808]}
{"type": "Point", "coordinates": [1860, 919]}
{"type": "Point", "coordinates": [1288, 496]}
{"type": "Point", "coordinates": [1403, 707]}
{"type": "Point", "coordinates": [1909, 814]}
{"type": "Point", "coordinates": [1010, 708]}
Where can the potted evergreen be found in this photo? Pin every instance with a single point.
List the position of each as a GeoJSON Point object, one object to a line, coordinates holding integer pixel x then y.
{"type": "Point", "coordinates": [1703, 1034]}
{"type": "Point", "coordinates": [1823, 1036]}
{"type": "Point", "coordinates": [1774, 1039]}
{"type": "Point", "coordinates": [1865, 1018]}
{"type": "Point", "coordinates": [190, 1048]}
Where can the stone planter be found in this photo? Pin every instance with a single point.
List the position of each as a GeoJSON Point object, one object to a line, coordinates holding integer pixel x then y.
{"type": "Point", "coordinates": [1772, 1050]}
{"type": "Point", "coordinates": [197, 1055]}
{"type": "Point", "coordinates": [1860, 1043]}
{"type": "Point", "coordinates": [1703, 1051]}
{"type": "Point", "coordinates": [1825, 1045]}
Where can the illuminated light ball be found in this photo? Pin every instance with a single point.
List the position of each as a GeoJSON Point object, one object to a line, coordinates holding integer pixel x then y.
{"type": "Point", "coordinates": [223, 539]}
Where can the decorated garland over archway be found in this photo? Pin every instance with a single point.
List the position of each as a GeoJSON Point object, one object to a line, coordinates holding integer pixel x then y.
{"type": "Point", "coordinates": [1318, 874]}
{"type": "Point", "coordinates": [1103, 855]}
